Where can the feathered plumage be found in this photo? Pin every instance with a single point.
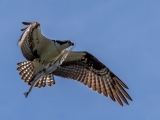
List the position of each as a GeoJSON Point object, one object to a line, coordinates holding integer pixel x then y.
{"type": "Point", "coordinates": [80, 66]}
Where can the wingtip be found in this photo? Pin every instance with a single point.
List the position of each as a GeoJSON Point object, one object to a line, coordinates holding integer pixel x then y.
{"type": "Point", "coordinates": [121, 104]}
{"type": "Point", "coordinates": [26, 23]}
{"type": "Point", "coordinates": [24, 29]}
{"type": "Point", "coordinates": [131, 99]}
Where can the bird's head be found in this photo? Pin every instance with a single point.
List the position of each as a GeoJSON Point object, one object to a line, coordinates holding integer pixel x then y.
{"type": "Point", "coordinates": [61, 45]}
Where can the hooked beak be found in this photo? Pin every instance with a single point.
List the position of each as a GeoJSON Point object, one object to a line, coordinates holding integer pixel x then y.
{"type": "Point", "coordinates": [71, 43]}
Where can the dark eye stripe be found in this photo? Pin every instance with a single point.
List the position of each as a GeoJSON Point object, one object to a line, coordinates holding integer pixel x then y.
{"type": "Point", "coordinates": [61, 42]}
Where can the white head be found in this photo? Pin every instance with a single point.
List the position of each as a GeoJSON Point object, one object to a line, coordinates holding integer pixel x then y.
{"type": "Point", "coordinates": [61, 45]}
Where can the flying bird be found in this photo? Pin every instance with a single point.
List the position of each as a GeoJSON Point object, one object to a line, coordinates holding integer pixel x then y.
{"type": "Point", "coordinates": [82, 66]}
{"type": "Point", "coordinates": [52, 67]}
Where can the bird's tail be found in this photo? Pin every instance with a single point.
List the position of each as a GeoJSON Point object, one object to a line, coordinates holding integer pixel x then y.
{"type": "Point", "coordinates": [26, 71]}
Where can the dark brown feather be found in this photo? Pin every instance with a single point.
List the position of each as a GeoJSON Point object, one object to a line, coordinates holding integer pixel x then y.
{"type": "Point", "coordinates": [91, 72]}
{"type": "Point", "coordinates": [26, 23]}
{"type": "Point", "coordinates": [26, 41]}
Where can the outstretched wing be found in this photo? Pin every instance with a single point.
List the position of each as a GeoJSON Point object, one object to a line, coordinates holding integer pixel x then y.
{"type": "Point", "coordinates": [85, 68]}
{"type": "Point", "coordinates": [26, 71]}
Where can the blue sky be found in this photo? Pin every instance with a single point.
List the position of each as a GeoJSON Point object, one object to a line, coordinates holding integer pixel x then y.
{"type": "Point", "coordinates": [124, 35]}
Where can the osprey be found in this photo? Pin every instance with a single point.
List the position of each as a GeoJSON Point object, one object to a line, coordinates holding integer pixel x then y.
{"type": "Point", "coordinates": [82, 66]}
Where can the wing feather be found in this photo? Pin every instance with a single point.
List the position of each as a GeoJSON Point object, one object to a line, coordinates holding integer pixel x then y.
{"type": "Point", "coordinates": [93, 82]}
{"type": "Point", "coordinates": [26, 23]}
{"type": "Point", "coordinates": [123, 91]}
{"type": "Point", "coordinates": [98, 87]}
{"type": "Point", "coordinates": [108, 87]}
{"type": "Point", "coordinates": [27, 41]}
{"type": "Point", "coordinates": [89, 79]}
{"type": "Point", "coordinates": [121, 95]}
{"type": "Point", "coordinates": [105, 89]}
{"type": "Point", "coordinates": [82, 76]}
{"type": "Point", "coordinates": [85, 68]}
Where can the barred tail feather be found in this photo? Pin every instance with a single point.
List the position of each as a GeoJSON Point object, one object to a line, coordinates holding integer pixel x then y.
{"type": "Point", "coordinates": [26, 71]}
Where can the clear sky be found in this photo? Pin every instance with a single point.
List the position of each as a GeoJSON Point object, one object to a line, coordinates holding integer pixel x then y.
{"type": "Point", "coordinates": [123, 34]}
